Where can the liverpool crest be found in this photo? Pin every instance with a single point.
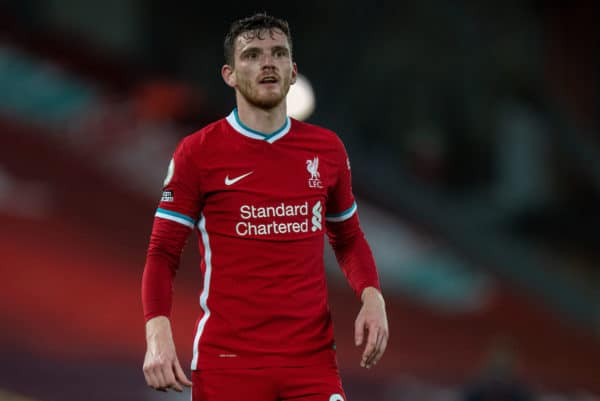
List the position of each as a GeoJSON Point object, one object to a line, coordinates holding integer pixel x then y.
{"type": "Point", "coordinates": [314, 181]}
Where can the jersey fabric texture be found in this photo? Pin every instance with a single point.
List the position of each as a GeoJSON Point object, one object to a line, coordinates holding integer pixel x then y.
{"type": "Point", "coordinates": [319, 383]}
{"type": "Point", "coordinates": [261, 205]}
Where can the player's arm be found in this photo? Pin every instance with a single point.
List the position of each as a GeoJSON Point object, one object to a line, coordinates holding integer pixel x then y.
{"type": "Point", "coordinates": [174, 220]}
{"type": "Point", "coordinates": [162, 369]}
{"type": "Point", "coordinates": [356, 261]}
{"type": "Point", "coordinates": [355, 258]}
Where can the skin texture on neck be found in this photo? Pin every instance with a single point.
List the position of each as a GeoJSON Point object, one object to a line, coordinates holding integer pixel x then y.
{"type": "Point", "coordinates": [262, 120]}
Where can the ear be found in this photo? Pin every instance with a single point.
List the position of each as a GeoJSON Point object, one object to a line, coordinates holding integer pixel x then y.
{"type": "Point", "coordinates": [228, 75]}
{"type": "Point", "coordinates": [294, 73]}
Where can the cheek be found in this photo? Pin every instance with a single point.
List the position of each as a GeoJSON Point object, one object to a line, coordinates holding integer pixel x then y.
{"type": "Point", "coordinates": [240, 78]}
{"type": "Point", "coordinates": [244, 74]}
{"type": "Point", "coordinates": [291, 77]}
{"type": "Point", "coordinates": [291, 73]}
{"type": "Point", "coordinates": [244, 83]}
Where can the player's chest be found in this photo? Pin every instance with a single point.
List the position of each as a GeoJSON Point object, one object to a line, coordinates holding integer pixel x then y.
{"type": "Point", "coordinates": [268, 174]}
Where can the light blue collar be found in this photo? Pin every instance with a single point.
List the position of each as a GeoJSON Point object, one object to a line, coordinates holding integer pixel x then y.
{"type": "Point", "coordinates": [234, 120]}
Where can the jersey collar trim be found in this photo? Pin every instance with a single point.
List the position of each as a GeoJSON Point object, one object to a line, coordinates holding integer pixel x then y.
{"type": "Point", "coordinates": [235, 122]}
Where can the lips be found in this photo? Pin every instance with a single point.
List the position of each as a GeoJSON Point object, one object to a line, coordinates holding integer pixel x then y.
{"type": "Point", "coordinates": [269, 79]}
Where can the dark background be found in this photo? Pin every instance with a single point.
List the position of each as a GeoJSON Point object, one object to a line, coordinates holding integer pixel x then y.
{"type": "Point", "coordinates": [473, 131]}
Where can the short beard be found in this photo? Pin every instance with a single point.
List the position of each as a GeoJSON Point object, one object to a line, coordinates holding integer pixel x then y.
{"type": "Point", "coordinates": [262, 103]}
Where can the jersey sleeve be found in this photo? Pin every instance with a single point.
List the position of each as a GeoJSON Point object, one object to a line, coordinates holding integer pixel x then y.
{"type": "Point", "coordinates": [341, 204]}
{"type": "Point", "coordinates": [181, 196]}
{"type": "Point", "coordinates": [346, 237]}
{"type": "Point", "coordinates": [175, 216]}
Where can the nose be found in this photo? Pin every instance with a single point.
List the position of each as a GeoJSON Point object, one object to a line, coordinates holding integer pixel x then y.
{"type": "Point", "coordinates": [268, 61]}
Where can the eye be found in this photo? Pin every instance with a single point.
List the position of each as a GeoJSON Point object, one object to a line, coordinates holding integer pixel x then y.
{"type": "Point", "coordinates": [251, 55]}
{"type": "Point", "coordinates": [279, 53]}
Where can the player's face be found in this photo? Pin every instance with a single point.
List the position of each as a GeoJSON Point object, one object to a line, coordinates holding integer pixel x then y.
{"type": "Point", "coordinates": [263, 70]}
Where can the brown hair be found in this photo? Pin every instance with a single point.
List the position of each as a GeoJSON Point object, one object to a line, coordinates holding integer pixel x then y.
{"type": "Point", "coordinates": [254, 26]}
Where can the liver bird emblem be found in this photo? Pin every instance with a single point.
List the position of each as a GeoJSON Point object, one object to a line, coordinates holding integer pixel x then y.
{"type": "Point", "coordinates": [313, 168]}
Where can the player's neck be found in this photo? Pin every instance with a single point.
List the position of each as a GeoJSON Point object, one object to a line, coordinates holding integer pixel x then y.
{"type": "Point", "coordinates": [261, 120]}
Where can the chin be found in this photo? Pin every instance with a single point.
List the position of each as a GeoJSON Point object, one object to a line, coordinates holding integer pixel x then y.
{"type": "Point", "coordinates": [267, 102]}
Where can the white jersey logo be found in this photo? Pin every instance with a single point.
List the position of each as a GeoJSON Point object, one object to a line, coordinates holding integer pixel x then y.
{"type": "Point", "coordinates": [336, 397]}
{"type": "Point", "coordinates": [170, 172]}
{"type": "Point", "coordinates": [231, 181]}
{"type": "Point", "coordinates": [313, 168]}
{"type": "Point", "coordinates": [317, 217]}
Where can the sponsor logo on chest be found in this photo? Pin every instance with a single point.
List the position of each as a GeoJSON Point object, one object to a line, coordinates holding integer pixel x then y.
{"type": "Point", "coordinates": [280, 219]}
{"type": "Point", "coordinates": [287, 217]}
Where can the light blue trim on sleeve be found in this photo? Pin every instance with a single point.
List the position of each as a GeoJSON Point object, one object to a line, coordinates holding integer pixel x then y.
{"type": "Point", "coordinates": [176, 217]}
{"type": "Point", "coordinates": [345, 215]}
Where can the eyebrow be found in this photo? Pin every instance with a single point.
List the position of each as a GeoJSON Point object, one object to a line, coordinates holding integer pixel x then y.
{"type": "Point", "coordinates": [259, 49]}
{"type": "Point", "coordinates": [251, 49]}
{"type": "Point", "coordinates": [277, 48]}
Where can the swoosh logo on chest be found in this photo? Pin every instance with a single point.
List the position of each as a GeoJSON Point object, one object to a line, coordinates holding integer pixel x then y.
{"type": "Point", "coordinates": [231, 181]}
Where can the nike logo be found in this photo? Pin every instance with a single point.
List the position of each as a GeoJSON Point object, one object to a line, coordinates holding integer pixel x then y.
{"type": "Point", "coordinates": [232, 181]}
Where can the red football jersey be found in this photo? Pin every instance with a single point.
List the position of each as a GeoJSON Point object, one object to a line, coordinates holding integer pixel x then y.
{"type": "Point", "coordinates": [261, 204]}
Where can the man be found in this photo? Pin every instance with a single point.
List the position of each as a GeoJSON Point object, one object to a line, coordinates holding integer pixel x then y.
{"type": "Point", "coordinates": [261, 189]}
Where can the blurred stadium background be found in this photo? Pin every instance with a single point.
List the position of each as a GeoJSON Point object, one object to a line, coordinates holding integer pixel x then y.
{"type": "Point", "coordinates": [473, 128]}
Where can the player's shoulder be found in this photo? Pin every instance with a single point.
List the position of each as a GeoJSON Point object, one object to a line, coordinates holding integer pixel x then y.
{"type": "Point", "coordinates": [318, 132]}
{"type": "Point", "coordinates": [204, 136]}
{"type": "Point", "coordinates": [200, 144]}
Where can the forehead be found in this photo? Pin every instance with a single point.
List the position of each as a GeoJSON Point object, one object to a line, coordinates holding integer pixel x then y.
{"type": "Point", "coordinates": [264, 38]}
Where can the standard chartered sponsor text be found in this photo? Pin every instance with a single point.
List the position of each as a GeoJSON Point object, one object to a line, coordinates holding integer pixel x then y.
{"type": "Point", "coordinates": [244, 228]}
{"type": "Point", "coordinates": [249, 213]}
{"type": "Point", "coordinates": [280, 210]}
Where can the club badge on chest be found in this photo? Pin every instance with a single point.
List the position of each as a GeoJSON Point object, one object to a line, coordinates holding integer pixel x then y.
{"type": "Point", "coordinates": [312, 166]}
